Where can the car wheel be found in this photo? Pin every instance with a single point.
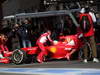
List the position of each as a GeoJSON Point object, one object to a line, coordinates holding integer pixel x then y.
{"type": "Point", "coordinates": [19, 56]}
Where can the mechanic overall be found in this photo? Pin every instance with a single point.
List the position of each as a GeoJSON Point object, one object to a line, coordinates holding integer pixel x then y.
{"type": "Point", "coordinates": [70, 41]}
{"type": "Point", "coordinates": [41, 44]}
{"type": "Point", "coordinates": [88, 33]}
{"type": "Point", "coordinates": [3, 47]}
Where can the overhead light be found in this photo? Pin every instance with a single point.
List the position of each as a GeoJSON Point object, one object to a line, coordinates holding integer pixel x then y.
{"type": "Point", "coordinates": [91, 1]}
{"type": "Point", "coordinates": [45, 2]}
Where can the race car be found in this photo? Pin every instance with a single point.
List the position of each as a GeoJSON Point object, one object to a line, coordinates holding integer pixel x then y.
{"type": "Point", "coordinates": [6, 57]}
{"type": "Point", "coordinates": [60, 49]}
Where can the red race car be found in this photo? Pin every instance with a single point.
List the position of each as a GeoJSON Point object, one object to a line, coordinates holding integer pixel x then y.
{"type": "Point", "coordinates": [5, 56]}
{"type": "Point", "coordinates": [60, 49]}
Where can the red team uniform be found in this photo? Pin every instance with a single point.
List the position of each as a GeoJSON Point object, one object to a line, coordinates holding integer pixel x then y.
{"type": "Point", "coordinates": [41, 43]}
{"type": "Point", "coordinates": [3, 46]}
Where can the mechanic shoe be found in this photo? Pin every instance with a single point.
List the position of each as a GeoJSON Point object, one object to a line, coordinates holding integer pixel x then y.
{"type": "Point", "coordinates": [68, 56]}
{"type": "Point", "coordinates": [95, 60]}
{"type": "Point", "coordinates": [40, 61]}
{"type": "Point", "coordinates": [85, 61]}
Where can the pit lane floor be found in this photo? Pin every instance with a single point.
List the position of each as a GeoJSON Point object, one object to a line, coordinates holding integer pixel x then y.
{"type": "Point", "coordinates": [61, 67]}
{"type": "Point", "coordinates": [55, 64]}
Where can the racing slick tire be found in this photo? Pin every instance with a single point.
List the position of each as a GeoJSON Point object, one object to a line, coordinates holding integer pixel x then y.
{"type": "Point", "coordinates": [19, 56]}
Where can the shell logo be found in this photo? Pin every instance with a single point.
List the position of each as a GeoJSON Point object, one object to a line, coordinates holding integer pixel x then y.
{"type": "Point", "coordinates": [53, 49]}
